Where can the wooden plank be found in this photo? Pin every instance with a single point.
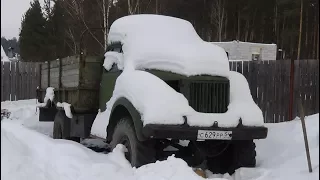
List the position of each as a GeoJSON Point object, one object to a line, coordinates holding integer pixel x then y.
{"type": "Point", "coordinates": [70, 67]}
{"type": "Point", "coordinates": [239, 66]}
{"type": "Point", "coordinates": [22, 72]}
{"type": "Point", "coordinates": [245, 69]}
{"type": "Point", "coordinates": [13, 81]}
{"type": "Point", "coordinates": [25, 82]}
{"type": "Point", "coordinates": [2, 81]}
{"type": "Point", "coordinates": [268, 95]}
{"type": "Point", "coordinates": [281, 90]}
{"type": "Point", "coordinates": [272, 91]}
{"type": "Point", "coordinates": [317, 86]}
{"type": "Point", "coordinates": [313, 86]}
{"type": "Point", "coordinates": [287, 89]}
{"type": "Point", "coordinates": [7, 81]}
{"type": "Point", "coordinates": [296, 87]}
{"type": "Point", "coordinates": [28, 95]}
{"type": "Point", "coordinates": [262, 89]}
{"type": "Point", "coordinates": [234, 66]}
{"type": "Point", "coordinates": [305, 85]}
{"type": "Point", "coordinates": [70, 81]}
{"type": "Point", "coordinates": [70, 60]}
{"type": "Point", "coordinates": [253, 80]}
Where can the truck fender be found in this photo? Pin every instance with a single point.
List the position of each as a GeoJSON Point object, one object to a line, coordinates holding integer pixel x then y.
{"type": "Point", "coordinates": [123, 107]}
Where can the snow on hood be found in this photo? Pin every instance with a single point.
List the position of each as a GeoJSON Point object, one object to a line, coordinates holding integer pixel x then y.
{"type": "Point", "coordinates": [158, 103]}
{"type": "Point", "coordinates": [166, 43]}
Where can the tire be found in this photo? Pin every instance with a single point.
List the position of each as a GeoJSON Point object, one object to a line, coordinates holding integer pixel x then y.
{"type": "Point", "coordinates": [244, 155]}
{"type": "Point", "coordinates": [222, 158]}
{"type": "Point", "coordinates": [139, 153]}
{"type": "Point", "coordinates": [238, 154]}
{"type": "Point", "coordinates": [62, 130]}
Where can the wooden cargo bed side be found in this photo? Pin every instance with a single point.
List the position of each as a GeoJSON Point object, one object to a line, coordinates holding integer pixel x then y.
{"type": "Point", "coordinates": [74, 83]}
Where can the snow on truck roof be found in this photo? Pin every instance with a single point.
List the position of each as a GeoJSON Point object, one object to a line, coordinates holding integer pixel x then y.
{"type": "Point", "coordinates": [166, 43]}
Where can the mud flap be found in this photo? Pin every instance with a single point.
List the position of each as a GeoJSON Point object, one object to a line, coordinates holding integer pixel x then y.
{"type": "Point", "coordinates": [48, 112]}
{"type": "Point", "coordinates": [80, 125]}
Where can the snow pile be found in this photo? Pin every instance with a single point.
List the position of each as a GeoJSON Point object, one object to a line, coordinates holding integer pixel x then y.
{"type": "Point", "coordinates": [165, 43]}
{"type": "Point", "coordinates": [49, 95]}
{"type": "Point", "coordinates": [66, 107]}
{"type": "Point", "coordinates": [26, 112]}
{"type": "Point", "coordinates": [26, 154]}
{"type": "Point", "coordinates": [113, 58]}
{"type": "Point", "coordinates": [153, 98]}
{"type": "Point", "coordinates": [282, 155]}
{"type": "Point", "coordinates": [4, 57]}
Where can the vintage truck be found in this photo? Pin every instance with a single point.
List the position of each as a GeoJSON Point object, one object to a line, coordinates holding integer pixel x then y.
{"type": "Point", "coordinates": [155, 89]}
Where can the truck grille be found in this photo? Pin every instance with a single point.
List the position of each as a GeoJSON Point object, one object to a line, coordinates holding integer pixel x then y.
{"type": "Point", "coordinates": [209, 97]}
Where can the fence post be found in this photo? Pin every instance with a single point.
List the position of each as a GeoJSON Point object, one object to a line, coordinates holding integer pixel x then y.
{"type": "Point", "coordinates": [291, 89]}
{"type": "Point", "coordinates": [48, 73]}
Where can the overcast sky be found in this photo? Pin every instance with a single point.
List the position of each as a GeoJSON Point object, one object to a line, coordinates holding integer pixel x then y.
{"type": "Point", "coordinates": [11, 15]}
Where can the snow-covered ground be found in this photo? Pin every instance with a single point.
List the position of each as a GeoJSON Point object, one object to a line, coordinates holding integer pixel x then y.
{"type": "Point", "coordinates": [28, 152]}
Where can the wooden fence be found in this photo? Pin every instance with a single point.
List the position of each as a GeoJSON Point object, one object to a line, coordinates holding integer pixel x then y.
{"type": "Point", "coordinates": [19, 80]}
{"type": "Point", "coordinates": [269, 83]}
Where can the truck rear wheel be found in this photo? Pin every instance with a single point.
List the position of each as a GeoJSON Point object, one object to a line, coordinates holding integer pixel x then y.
{"type": "Point", "coordinates": [138, 153]}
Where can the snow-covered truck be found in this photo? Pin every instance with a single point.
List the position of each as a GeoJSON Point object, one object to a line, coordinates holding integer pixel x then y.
{"type": "Point", "coordinates": [162, 90]}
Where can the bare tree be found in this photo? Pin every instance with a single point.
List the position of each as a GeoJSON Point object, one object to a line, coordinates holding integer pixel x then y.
{"type": "Point", "coordinates": [217, 16]}
{"type": "Point", "coordinates": [132, 7]}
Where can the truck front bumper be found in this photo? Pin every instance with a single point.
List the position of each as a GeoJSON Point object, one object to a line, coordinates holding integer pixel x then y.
{"type": "Point", "coordinates": [184, 132]}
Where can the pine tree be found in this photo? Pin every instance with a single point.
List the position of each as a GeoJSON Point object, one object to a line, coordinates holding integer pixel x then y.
{"type": "Point", "coordinates": [58, 25]}
{"type": "Point", "coordinates": [33, 34]}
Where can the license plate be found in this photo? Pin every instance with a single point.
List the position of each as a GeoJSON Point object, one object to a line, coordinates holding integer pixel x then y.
{"type": "Point", "coordinates": [221, 135]}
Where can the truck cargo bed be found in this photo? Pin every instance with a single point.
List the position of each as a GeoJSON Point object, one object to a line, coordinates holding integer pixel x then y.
{"type": "Point", "coordinates": [75, 82]}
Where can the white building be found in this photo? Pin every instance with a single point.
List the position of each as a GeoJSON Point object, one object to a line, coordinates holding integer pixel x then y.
{"type": "Point", "coordinates": [4, 57]}
{"type": "Point", "coordinates": [247, 51]}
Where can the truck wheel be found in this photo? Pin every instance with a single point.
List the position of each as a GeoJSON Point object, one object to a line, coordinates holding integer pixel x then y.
{"type": "Point", "coordinates": [222, 157]}
{"type": "Point", "coordinates": [244, 155]}
{"type": "Point", "coordinates": [138, 153]}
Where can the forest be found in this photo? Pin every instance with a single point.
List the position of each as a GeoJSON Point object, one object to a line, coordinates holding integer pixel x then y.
{"type": "Point", "coordinates": [59, 26]}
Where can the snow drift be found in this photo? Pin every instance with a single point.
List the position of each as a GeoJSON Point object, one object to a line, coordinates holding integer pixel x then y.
{"type": "Point", "coordinates": [27, 154]}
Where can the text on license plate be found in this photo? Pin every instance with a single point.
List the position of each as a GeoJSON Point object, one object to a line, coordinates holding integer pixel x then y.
{"type": "Point", "coordinates": [223, 135]}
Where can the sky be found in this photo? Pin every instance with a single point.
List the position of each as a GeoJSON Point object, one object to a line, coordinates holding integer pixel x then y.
{"type": "Point", "coordinates": [11, 16]}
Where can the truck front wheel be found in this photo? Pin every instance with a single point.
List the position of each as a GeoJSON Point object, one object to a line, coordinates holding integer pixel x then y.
{"type": "Point", "coordinates": [138, 152]}
{"type": "Point", "coordinates": [244, 155]}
